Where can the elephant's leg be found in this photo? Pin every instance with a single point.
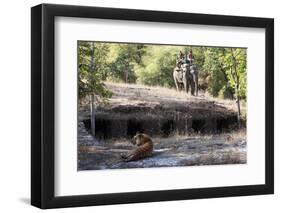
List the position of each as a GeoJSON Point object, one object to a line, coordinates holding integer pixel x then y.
{"type": "Point", "coordinates": [177, 86]}
{"type": "Point", "coordinates": [192, 87]}
{"type": "Point", "coordinates": [195, 79]}
{"type": "Point", "coordinates": [185, 84]}
{"type": "Point", "coordinates": [180, 86]}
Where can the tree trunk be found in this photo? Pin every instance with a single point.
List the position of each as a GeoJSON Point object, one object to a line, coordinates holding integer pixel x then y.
{"type": "Point", "coordinates": [236, 78]}
{"type": "Point", "coordinates": [93, 114]}
{"type": "Point", "coordinates": [92, 96]}
{"type": "Point", "coordinates": [126, 76]}
{"type": "Point", "coordinates": [238, 106]}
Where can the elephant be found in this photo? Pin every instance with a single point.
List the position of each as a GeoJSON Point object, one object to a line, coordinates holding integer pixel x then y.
{"type": "Point", "coordinates": [181, 77]}
{"type": "Point", "coordinates": [185, 76]}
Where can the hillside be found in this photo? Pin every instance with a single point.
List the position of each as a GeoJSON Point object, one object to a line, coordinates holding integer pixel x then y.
{"type": "Point", "coordinates": [159, 111]}
{"type": "Point", "coordinates": [186, 130]}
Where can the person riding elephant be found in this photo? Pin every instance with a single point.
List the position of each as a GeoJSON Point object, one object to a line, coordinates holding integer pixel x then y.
{"type": "Point", "coordinates": [180, 58]}
{"type": "Point", "coordinates": [190, 57]}
{"type": "Point", "coordinates": [185, 73]}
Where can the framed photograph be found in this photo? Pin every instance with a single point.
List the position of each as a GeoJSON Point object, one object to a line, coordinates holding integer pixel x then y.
{"type": "Point", "coordinates": [136, 106]}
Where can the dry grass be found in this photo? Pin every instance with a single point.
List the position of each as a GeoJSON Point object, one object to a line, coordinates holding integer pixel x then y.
{"type": "Point", "coordinates": [172, 94]}
{"type": "Point", "coordinates": [230, 137]}
{"type": "Point", "coordinates": [157, 90]}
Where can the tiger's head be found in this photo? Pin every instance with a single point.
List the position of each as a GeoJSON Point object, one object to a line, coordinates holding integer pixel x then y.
{"type": "Point", "coordinates": [138, 139]}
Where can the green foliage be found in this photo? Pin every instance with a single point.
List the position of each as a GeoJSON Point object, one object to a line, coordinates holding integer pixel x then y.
{"type": "Point", "coordinates": [125, 58]}
{"type": "Point", "coordinates": [226, 68]}
{"type": "Point", "coordinates": [90, 77]}
{"type": "Point", "coordinates": [157, 67]}
{"type": "Point", "coordinates": [211, 69]}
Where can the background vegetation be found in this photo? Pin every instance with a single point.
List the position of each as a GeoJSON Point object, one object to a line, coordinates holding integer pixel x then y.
{"type": "Point", "coordinates": [222, 71]}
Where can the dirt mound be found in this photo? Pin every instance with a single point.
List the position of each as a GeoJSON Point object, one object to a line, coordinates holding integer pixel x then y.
{"type": "Point", "coordinates": [158, 111]}
{"type": "Point", "coordinates": [131, 98]}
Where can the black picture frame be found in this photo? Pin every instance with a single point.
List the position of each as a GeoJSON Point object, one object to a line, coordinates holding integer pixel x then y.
{"type": "Point", "coordinates": [43, 117]}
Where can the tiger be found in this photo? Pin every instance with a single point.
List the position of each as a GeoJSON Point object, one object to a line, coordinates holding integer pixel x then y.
{"type": "Point", "coordinates": [144, 149]}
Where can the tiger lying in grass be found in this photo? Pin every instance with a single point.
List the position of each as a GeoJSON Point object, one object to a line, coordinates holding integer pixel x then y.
{"type": "Point", "coordinates": [144, 149]}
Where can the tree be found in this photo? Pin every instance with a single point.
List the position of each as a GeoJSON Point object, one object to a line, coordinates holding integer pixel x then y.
{"type": "Point", "coordinates": [90, 77]}
{"type": "Point", "coordinates": [90, 71]}
{"type": "Point", "coordinates": [157, 67]}
{"type": "Point", "coordinates": [125, 58]}
{"type": "Point", "coordinates": [213, 71]}
{"type": "Point", "coordinates": [235, 60]}
{"type": "Point", "coordinates": [227, 73]}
